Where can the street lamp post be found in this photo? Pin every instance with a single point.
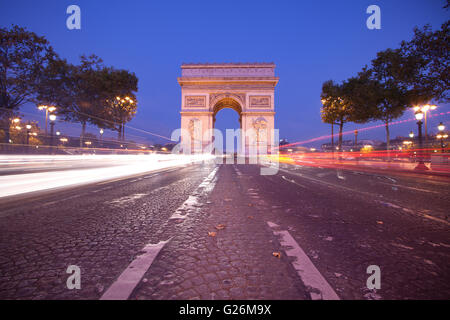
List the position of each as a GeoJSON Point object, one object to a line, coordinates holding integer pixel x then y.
{"type": "Point", "coordinates": [47, 110]}
{"type": "Point", "coordinates": [411, 135]}
{"type": "Point", "coordinates": [441, 135]}
{"type": "Point", "coordinates": [52, 118]}
{"type": "Point", "coordinates": [421, 165]}
{"type": "Point", "coordinates": [28, 126]}
{"type": "Point", "coordinates": [101, 137]}
{"type": "Point", "coordinates": [424, 109]}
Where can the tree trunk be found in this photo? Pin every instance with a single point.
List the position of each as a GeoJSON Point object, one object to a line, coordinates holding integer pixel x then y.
{"type": "Point", "coordinates": [83, 132]}
{"type": "Point", "coordinates": [341, 126]}
{"type": "Point", "coordinates": [7, 133]}
{"type": "Point", "coordinates": [123, 132]}
{"type": "Point", "coordinates": [6, 123]}
{"type": "Point", "coordinates": [388, 141]}
{"type": "Point", "coordinates": [119, 136]}
{"type": "Point", "coordinates": [332, 137]}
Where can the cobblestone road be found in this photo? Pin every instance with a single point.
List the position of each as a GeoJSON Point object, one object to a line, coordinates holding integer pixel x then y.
{"type": "Point", "coordinates": [220, 243]}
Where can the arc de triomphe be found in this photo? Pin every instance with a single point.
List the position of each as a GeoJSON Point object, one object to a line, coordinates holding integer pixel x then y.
{"type": "Point", "coordinates": [247, 88]}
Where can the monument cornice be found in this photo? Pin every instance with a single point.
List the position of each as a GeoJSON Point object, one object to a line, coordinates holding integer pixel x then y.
{"type": "Point", "coordinates": [196, 112]}
{"type": "Point", "coordinates": [228, 65]}
{"type": "Point", "coordinates": [258, 112]}
{"type": "Point", "coordinates": [228, 80]}
{"type": "Point", "coordinates": [230, 87]}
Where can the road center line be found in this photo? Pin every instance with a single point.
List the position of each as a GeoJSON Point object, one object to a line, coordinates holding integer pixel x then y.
{"type": "Point", "coordinates": [191, 204]}
{"type": "Point", "coordinates": [292, 181]}
{"type": "Point", "coordinates": [311, 277]}
{"type": "Point", "coordinates": [122, 288]}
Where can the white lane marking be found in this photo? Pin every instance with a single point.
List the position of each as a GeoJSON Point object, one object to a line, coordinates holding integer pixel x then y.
{"type": "Point", "coordinates": [272, 225]}
{"type": "Point", "coordinates": [410, 188]}
{"type": "Point", "coordinates": [101, 189]}
{"type": "Point", "coordinates": [340, 175]}
{"type": "Point", "coordinates": [388, 178]}
{"type": "Point", "coordinates": [331, 185]}
{"type": "Point", "coordinates": [399, 245]}
{"type": "Point", "coordinates": [417, 214]}
{"type": "Point", "coordinates": [193, 202]}
{"type": "Point", "coordinates": [292, 181]}
{"type": "Point", "coordinates": [305, 268]}
{"type": "Point", "coordinates": [127, 199]}
{"type": "Point", "coordinates": [122, 288]}
{"type": "Point", "coordinates": [323, 174]}
{"type": "Point", "coordinates": [239, 173]}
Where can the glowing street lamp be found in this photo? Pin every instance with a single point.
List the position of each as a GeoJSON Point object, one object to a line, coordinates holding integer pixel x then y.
{"type": "Point", "coordinates": [441, 135]}
{"type": "Point", "coordinates": [424, 109]}
{"type": "Point", "coordinates": [47, 110]}
{"type": "Point", "coordinates": [28, 126]}
{"type": "Point", "coordinates": [52, 118]}
{"type": "Point", "coordinates": [101, 137]}
{"type": "Point", "coordinates": [411, 134]}
{"type": "Point", "coordinates": [419, 117]}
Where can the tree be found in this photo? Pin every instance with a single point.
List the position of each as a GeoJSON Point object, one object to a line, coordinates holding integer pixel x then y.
{"type": "Point", "coordinates": [335, 109]}
{"type": "Point", "coordinates": [76, 91]}
{"type": "Point", "coordinates": [23, 58]}
{"type": "Point", "coordinates": [432, 51]}
{"type": "Point", "coordinates": [119, 94]}
{"type": "Point", "coordinates": [90, 93]}
{"type": "Point", "coordinates": [391, 72]}
{"type": "Point", "coordinates": [362, 94]}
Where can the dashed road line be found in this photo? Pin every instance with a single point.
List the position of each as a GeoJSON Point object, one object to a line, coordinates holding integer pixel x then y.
{"type": "Point", "coordinates": [122, 288]}
{"type": "Point", "coordinates": [292, 181]}
{"type": "Point", "coordinates": [192, 202]}
{"type": "Point", "coordinates": [413, 212]}
{"type": "Point", "coordinates": [410, 188]}
{"type": "Point", "coordinates": [320, 289]}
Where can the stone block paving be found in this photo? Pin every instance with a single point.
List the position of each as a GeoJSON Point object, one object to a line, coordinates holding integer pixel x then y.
{"type": "Point", "coordinates": [236, 263]}
{"type": "Point", "coordinates": [101, 236]}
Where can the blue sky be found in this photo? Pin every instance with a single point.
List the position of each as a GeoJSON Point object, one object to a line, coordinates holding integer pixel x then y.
{"type": "Point", "coordinates": [310, 42]}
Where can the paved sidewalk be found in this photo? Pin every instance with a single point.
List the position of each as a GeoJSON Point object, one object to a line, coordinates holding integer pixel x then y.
{"type": "Point", "coordinates": [236, 263]}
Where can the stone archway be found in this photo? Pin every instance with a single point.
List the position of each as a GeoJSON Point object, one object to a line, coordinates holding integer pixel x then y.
{"type": "Point", "coordinates": [226, 102]}
{"type": "Point", "coordinates": [248, 89]}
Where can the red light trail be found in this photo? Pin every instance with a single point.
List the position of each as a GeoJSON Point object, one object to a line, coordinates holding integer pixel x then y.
{"type": "Point", "coordinates": [361, 129]}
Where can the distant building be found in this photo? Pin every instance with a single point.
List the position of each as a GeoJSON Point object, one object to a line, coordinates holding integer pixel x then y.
{"type": "Point", "coordinates": [349, 145]}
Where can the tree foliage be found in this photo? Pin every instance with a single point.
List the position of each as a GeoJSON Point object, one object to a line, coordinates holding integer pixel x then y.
{"type": "Point", "coordinates": [335, 108]}
{"type": "Point", "coordinates": [87, 93]}
{"type": "Point", "coordinates": [432, 50]}
{"type": "Point", "coordinates": [23, 59]}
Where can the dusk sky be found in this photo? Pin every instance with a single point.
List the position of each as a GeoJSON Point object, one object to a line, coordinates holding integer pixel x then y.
{"type": "Point", "coordinates": [309, 41]}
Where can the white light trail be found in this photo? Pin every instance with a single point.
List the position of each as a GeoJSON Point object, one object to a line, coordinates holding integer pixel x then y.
{"type": "Point", "coordinates": [111, 167]}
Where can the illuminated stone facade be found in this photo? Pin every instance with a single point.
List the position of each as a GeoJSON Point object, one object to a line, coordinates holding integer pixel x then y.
{"type": "Point", "coordinates": [247, 88]}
